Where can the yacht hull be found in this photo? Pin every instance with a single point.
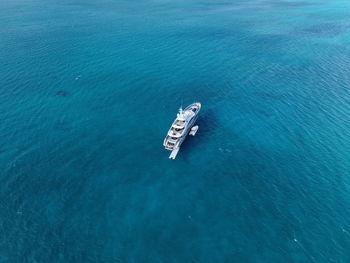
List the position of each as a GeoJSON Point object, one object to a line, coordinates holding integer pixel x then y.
{"type": "Point", "coordinates": [181, 127]}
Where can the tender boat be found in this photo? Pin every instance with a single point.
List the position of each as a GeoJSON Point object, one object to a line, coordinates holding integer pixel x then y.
{"type": "Point", "coordinates": [182, 125]}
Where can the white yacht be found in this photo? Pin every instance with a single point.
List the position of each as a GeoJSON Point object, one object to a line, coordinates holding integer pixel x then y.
{"type": "Point", "coordinates": [182, 125]}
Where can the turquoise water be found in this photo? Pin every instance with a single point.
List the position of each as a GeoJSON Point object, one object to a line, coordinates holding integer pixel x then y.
{"type": "Point", "coordinates": [89, 88]}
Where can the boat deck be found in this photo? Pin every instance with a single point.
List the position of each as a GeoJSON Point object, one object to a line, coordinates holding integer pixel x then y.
{"type": "Point", "coordinates": [174, 153]}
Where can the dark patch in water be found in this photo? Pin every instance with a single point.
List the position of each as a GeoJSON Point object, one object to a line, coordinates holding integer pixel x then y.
{"type": "Point", "coordinates": [266, 95]}
{"type": "Point", "coordinates": [290, 3]}
{"type": "Point", "coordinates": [270, 39]}
{"type": "Point", "coordinates": [325, 30]}
{"type": "Point", "coordinates": [264, 44]}
{"type": "Point", "coordinates": [23, 148]}
{"type": "Point", "coordinates": [263, 113]}
{"type": "Point", "coordinates": [62, 93]}
{"type": "Point", "coordinates": [62, 126]}
{"type": "Point", "coordinates": [223, 7]}
{"type": "Point", "coordinates": [216, 33]}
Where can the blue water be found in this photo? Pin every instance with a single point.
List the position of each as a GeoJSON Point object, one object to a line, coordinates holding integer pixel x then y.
{"type": "Point", "coordinates": [89, 88]}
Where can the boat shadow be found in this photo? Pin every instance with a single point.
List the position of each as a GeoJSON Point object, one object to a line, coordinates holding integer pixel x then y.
{"type": "Point", "coordinates": [208, 123]}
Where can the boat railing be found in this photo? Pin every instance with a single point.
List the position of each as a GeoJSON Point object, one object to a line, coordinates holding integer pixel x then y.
{"type": "Point", "coordinates": [174, 134]}
{"type": "Point", "coordinates": [172, 141]}
{"type": "Point", "coordinates": [178, 126]}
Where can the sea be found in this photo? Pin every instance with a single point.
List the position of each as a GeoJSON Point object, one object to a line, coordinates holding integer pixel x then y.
{"type": "Point", "coordinates": [89, 89]}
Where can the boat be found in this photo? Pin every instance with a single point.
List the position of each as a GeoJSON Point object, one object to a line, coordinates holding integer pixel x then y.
{"type": "Point", "coordinates": [181, 127]}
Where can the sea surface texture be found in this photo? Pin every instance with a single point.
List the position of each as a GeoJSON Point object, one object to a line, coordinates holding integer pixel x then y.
{"type": "Point", "coordinates": [89, 88]}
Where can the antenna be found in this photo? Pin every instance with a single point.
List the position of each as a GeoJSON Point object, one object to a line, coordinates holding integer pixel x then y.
{"type": "Point", "coordinates": [180, 110]}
